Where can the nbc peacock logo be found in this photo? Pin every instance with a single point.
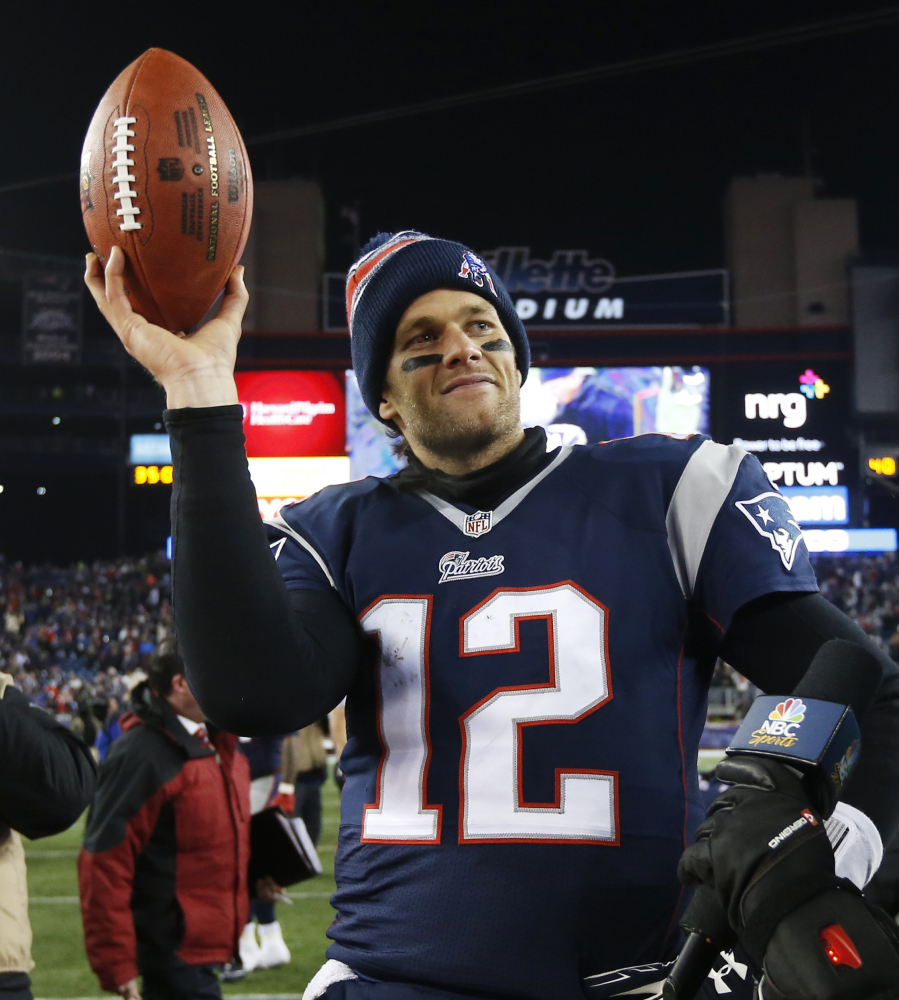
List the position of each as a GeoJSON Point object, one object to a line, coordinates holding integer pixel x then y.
{"type": "Point", "coordinates": [781, 728]}
{"type": "Point", "coordinates": [791, 710]}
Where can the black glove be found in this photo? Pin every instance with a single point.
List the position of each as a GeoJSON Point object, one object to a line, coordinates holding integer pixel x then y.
{"type": "Point", "coordinates": [863, 942]}
{"type": "Point", "coordinates": [762, 849]}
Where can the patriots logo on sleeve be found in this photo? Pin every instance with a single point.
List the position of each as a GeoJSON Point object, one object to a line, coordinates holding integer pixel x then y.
{"type": "Point", "coordinates": [771, 516]}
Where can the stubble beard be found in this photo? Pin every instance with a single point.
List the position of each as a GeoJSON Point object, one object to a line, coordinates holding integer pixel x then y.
{"type": "Point", "coordinates": [461, 435]}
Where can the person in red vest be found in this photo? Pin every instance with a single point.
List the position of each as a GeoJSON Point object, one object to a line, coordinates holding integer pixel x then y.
{"type": "Point", "coordinates": [163, 869]}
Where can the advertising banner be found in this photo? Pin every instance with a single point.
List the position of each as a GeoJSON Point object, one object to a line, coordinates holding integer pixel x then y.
{"type": "Point", "coordinates": [572, 290]}
{"type": "Point", "coordinates": [52, 318]}
{"type": "Point", "coordinates": [837, 540]}
{"type": "Point", "coordinates": [793, 417]}
{"type": "Point", "coordinates": [295, 428]}
{"type": "Point", "coordinates": [292, 413]}
{"type": "Point", "coordinates": [818, 504]}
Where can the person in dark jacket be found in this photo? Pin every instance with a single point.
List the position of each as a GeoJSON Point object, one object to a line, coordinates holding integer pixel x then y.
{"type": "Point", "coordinates": [47, 779]}
{"type": "Point", "coordinates": [163, 868]}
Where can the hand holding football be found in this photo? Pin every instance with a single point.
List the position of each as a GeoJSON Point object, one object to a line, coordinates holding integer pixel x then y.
{"type": "Point", "coordinates": [195, 369]}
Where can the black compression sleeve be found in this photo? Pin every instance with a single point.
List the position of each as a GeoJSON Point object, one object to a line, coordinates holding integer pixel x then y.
{"type": "Point", "coordinates": [260, 661]}
{"type": "Point", "coordinates": [773, 640]}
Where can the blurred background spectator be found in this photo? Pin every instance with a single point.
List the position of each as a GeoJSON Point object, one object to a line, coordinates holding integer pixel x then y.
{"type": "Point", "coordinates": [108, 715]}
{"type": "Point", "coordinates": [304, 767]}
{"type": "Point", "coordinates": [269, 950]}
{"type": "Point", "coordinates": [162, 874]}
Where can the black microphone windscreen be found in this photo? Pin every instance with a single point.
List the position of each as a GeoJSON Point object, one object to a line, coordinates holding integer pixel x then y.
{"type": "Point", "coordinates": [845, 673]}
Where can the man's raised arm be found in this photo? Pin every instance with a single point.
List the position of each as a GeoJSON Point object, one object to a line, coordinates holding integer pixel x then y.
{"type": "Point", "coordinates": [260, 660]}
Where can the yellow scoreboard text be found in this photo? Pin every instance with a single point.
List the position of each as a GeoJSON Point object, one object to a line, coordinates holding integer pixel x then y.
{"type": "Point", "coordinates": [152, 474]}
{"type": "Point", "coordinates": [883, 466]}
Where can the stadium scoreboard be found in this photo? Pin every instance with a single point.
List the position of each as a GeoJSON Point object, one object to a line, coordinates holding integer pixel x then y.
{"type": "Point", "coordinates": [151, 460]}
{"type": "Point", "coordinates": [880, 461]}
{"type": "Point", "coordinates": [151, 475]}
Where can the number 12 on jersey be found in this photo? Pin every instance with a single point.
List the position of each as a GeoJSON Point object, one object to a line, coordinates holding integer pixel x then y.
{"type": "Point", "coordinates": [493, 806]}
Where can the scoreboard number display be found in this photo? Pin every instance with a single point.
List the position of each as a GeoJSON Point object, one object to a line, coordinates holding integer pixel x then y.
{"type": "Point", "coordinates": [881, 461]}
{"type": "Point", "coordinates": [151, 475]}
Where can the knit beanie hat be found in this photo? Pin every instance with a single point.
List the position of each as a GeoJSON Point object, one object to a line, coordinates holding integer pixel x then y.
{"type": "Point", "coordinates": [394, 270]}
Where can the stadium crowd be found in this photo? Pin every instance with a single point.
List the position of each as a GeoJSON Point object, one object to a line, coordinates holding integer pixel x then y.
{"type": "Point", "coordinates": [77, 639]}
{"type": "Point", "coordinates": [74, 638]}
{"type": "Point", "coordinates": [867, 589]}
{"type": "Point", "coordinates": [864, 587]}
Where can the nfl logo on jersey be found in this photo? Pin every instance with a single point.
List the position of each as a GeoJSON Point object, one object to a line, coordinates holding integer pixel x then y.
{"type": "Point", "coordinates": [479, 523]}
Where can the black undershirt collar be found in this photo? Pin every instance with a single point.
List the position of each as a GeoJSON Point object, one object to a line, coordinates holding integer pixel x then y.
{"type": "Point", "coordinates": [483, 488]}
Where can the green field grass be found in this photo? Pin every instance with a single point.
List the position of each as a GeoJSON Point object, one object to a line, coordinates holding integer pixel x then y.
{"type": "Point", "coordinates": [62, 970]}
{"type": "Point", "coordinates": [709, 758]}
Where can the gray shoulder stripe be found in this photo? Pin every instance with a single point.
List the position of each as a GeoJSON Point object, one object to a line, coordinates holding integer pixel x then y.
{"type": "Point", "coordinates": [278, 522]}
{"type": "Point", "coordinates": [508, 505]}
{"type": "Point", "coordinates": [701, 490]}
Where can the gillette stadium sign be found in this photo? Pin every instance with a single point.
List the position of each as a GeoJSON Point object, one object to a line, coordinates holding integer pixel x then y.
{"type": "Point", "coordinates": [573, 290]}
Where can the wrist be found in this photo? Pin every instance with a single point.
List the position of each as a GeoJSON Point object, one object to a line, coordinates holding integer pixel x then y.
{"type": "Point", "coordinates": [201, 390]}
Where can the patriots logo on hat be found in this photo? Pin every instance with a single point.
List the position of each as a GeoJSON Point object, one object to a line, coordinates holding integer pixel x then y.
{"type": "Point", "coordinates": [770, 515]}
{"type": "Point", "coordinates": [473, 267]}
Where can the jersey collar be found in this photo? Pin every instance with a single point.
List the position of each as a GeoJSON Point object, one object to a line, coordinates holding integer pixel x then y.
{"type": "Point", "coordinates": [487, 520]}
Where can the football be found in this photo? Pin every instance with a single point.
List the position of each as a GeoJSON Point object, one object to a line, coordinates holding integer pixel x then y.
{"type": "Point", "coordinates": [165, 175]}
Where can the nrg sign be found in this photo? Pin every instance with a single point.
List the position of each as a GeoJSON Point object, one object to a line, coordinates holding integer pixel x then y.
{"type": "Point", "coordinates": [792, 406]}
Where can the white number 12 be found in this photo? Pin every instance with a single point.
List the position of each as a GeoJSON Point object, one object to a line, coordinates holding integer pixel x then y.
{"type": "Point", "coordinates": [493, 808]}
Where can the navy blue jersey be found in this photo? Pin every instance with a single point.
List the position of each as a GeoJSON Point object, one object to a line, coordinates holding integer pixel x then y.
{"type": "Point", "coordinates": [521, 775]}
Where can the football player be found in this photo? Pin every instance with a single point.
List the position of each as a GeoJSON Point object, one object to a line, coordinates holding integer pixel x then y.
{"type": "Point", "coordinates": [524, 639]}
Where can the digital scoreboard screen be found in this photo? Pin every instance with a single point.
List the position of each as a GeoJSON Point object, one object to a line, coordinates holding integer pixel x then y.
{"type": "Point", "coordinates": [575, 405]}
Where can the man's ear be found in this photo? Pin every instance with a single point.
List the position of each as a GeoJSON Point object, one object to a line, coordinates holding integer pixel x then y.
{"type": "Point", "coordinates": [388, 411]}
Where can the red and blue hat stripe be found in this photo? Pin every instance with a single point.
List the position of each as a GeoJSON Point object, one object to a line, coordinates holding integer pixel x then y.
{"type": "Point", "coordinates": [361, 273]}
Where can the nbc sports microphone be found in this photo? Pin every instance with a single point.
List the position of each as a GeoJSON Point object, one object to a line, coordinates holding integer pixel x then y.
{"type": "Point", "coordinates": [816, 732]}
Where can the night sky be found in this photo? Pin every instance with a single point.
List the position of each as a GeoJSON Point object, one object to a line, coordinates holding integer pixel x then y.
{"type": "Point", "coordinates": [632, 168]}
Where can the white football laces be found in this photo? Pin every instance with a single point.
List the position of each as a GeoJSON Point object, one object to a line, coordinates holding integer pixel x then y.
{"type": "Point", "coordinates": [125, 195]}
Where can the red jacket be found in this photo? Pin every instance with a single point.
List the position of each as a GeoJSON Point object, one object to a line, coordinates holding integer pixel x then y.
{"type": "Point", "coordinates": [163, 870]}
